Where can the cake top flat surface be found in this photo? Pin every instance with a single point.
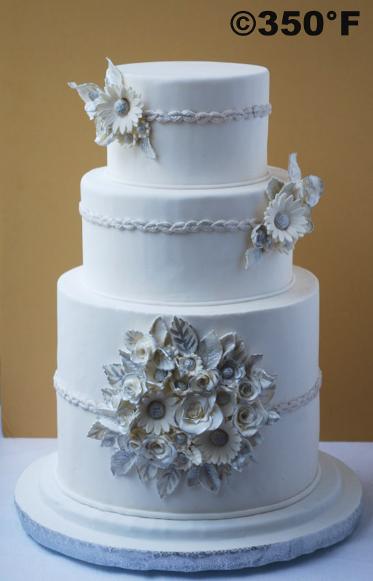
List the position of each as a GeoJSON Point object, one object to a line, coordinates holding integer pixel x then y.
{"type": "Point", "coordinates": [191, 70]}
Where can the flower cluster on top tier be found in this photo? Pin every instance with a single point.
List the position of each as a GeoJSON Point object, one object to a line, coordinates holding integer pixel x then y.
{"type": "Point", "coordinates": [117, 111]}
{"type": "Point", "coordinates": [287, 216]}
{"type": "Point", "coordinates": [179, 406]}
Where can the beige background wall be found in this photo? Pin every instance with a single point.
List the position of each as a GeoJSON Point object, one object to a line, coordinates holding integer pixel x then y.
{"type": "Point", "coordinates": [321, 92]}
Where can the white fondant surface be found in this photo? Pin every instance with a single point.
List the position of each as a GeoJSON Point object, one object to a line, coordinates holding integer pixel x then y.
{"type": "Point", "coordinates": [284, 328]}
{"type": "Point", "coordinates": [233, 151]}
{"type": "Point", "coordinates": [176, 268]}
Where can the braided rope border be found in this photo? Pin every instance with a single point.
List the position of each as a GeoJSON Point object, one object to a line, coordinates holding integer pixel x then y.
{"type": "Point", "coordinates": [205, 117]}
{"type": "Point", "coordinates": [164, 227]}
{"type": "Point", "coordinates": [93, 407]}
{"type": "Point", "coordinates": [296, 403]}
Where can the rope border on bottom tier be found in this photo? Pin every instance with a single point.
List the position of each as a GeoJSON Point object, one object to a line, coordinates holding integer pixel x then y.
{"type": "Point", "coordinates": [91, 406]}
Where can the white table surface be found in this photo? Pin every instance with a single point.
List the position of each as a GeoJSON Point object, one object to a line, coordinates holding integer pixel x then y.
{"type": "Point", "coordinates": [21, 559]}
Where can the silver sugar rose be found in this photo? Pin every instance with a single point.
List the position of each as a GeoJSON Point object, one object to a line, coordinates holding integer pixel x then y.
{"type": "Point", "coordinates": [179, 407]}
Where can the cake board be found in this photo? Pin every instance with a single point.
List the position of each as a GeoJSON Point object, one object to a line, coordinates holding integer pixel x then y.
{"type": "Point", "coordinates": [327, 515]}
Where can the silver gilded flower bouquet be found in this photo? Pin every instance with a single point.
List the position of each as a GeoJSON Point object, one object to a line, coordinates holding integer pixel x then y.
{"type": "Point", "coordinates": [179, 406]}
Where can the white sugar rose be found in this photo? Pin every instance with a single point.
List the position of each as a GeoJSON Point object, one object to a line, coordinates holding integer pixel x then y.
{"type": "Point", "coordinates": [249, 390]}
{"type": "Point", "coordinates": [249, 418]}
{"type": "Point", "coordinates": [205, 381]}
{"type": "Point", "coordinates": [133, 388]}
{"type": "Point", "coordinates": [198, 413]}
{"type": "Point", "coordinates": [159, 451]}
{"type": "Point", "coordinates": [143, 349]}
{"type": "Point", "coordinates": [262, 385]}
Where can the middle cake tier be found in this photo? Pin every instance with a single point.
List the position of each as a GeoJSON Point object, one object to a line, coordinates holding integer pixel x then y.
{"type": "Point", "coordinates": [180, 246]}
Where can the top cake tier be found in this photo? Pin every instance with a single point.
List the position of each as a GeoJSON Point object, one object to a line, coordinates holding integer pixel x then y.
{"type": "Point", "coordinates": [193, 149]}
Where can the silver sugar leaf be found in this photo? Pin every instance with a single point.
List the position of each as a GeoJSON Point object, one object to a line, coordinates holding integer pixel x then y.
{"type": "Point", "coordinates": [163, 360]}
{"type": "Point", "coordinates": [131, 338]}
{"type": "Point", "coordinates": [184, 337]}
{"type": "Point", "coordinates": [159, 330]}
{"type": "Point", "coordinates": [167, 482]}
{"type": "Point", "coordinates": [128, 365]}
{"type": "Point", "coordinates": [243, 458]}
{"type": "Point", "coordinates": [123, 442]}
{"type": "Point", "coordinates": [252, 360]}
{"type": "Point", "coordinates": [255, 440]}
{"type": "Point", "coordinates": [239, 353]}
{"type": "Point", "coordinates": [193, 476]}
{"type": "Point", "coordinates": [114, 373]}
{"type": "Point", "coordinates": [108, 393]}
{"type": "Point", "coordinates": [122, 462]}
{"type": "Point", "coordinates": [209, 478]}
{"type": "Point", "coordinates": [274, 187]}
{"type": "Point", "coordinates": [210, 350]}
{"type": "Point", "coordinates": [313, 190]}
{"type": "Point", "coordinates": [252, 256]}
{"type": "Point", "coordinates": [88, 92]}
{"type": "Point", "coordinates": [146, 471]}
{"type": "Point", "coordinates": [109, 439]}
{"type": "Point", "coordinates": [194, 455]}
{"type": "Point", "coordinates": [295, 175]}
{"type": "Point", "coordinates": [228, 342]}
{"type": "Point", "coordinates": [113, 75]}
{"type": "Point", "coordinates": [273, 417]}
{"type": "Point", "coordinates": [97, 431]}
{"type": "Point", "coordinates": [147, 148]}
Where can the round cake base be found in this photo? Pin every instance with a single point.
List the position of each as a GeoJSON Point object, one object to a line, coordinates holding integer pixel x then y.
{"type": "Point", "coordinates": [324, 517]}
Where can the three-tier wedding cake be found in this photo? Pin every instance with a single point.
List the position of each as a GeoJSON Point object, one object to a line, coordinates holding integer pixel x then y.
{"type": "Point", "coordinates": [188, 376]}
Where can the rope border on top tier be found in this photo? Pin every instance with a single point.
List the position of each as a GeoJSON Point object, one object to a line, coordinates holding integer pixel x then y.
{"type": "Point", "coordinates": [202, 118]}
{"type": "Point", "coordinates": [93, 407]}
{"type": "Point", "coordinates": [164, 227]}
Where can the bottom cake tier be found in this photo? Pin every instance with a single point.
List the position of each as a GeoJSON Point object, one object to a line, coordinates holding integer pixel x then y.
{"type": "Point", "coordinates": [324, 517]}
{"type": "Point", "coordinates": [284, 468]}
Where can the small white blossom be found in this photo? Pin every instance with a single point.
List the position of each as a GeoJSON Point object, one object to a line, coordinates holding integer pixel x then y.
{"type": "Point", "coordinates": [220, 446]}
{"type": "Point", "coordinates": [286, 219]}
{"type": "Point", "coordinates": [157, 412]}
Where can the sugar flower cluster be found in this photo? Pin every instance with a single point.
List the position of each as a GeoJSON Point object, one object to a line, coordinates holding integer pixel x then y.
{"type": "Point", "coordinates": [180, 407]}
{"type": "Point", "coordinates": [117, 110]}
{"type": "Point", "coordinates": [287, 216]}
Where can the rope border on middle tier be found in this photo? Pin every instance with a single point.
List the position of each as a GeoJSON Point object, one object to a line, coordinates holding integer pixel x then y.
{"type": "Point", "coordinates": [165, 227]}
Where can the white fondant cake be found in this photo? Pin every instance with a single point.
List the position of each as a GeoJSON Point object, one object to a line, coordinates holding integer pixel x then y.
{"type": "Point", "coordinates": [188, 372]}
